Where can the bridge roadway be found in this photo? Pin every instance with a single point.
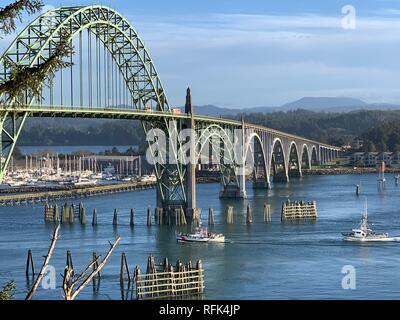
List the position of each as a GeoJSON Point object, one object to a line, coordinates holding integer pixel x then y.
{"type": "Point", "coordinates": [129, 114]}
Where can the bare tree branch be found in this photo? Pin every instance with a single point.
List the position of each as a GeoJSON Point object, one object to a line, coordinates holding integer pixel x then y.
{"type": "Point", "coordinates": [45, 264]}
{"type": "Point", "coordinates": [68, 283]}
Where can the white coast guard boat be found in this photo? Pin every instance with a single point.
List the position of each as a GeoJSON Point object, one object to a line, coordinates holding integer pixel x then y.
{"type": "Point", "coordinates": [363, 233]}
{"type": "Point", "coordinates": [200, 235]}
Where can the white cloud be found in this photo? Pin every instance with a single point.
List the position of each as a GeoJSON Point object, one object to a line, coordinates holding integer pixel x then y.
{"type": "Point", "coordinates": [253, 60]}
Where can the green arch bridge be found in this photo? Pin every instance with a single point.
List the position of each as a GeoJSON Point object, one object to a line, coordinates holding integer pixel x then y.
{"type": "Point", "coordinates": [113, 76]}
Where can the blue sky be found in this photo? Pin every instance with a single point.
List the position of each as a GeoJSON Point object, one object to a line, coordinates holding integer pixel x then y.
{"type": "Point", "coordinates": [248, 53]}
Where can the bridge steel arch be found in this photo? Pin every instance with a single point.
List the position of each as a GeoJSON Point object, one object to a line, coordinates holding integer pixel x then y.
{"type": "Point", "coordinates": [36, 43]}
{"type": "Point", "coordinates": [222, 142]}
{"type": "Point", "coordinates": [254, 143]}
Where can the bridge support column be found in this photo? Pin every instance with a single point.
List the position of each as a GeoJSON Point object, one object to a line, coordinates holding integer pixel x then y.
{"type": "Point", "coordinates": [242, 165]}
{"type": "Point", "coordinates": [191, 166]}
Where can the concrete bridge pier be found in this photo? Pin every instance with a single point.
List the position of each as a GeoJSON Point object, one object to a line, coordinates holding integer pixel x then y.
{"type": "Point", "coordinates": [281, 177]}
{"type": "Point", "coordinates": [261, 183]}
{"type": "Point", "coordinates": [295, 173]}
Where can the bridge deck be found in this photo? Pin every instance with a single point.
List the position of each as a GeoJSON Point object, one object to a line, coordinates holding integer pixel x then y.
{"type": "Point", "coordinates": [145, 115]}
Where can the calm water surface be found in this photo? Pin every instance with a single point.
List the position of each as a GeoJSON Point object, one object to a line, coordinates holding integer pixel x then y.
{"type": "Point", "coordinates": [260, 261]}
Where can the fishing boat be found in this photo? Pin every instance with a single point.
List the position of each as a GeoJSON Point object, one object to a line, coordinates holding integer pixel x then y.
{"type": "Point", "coordinates": [200, 235]}
{"type": "Point", "coordinates": [363, 233]}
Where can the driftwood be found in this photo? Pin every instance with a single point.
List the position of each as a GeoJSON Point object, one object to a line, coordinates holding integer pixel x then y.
{"type": "Point", "coordinates": [45, 264]}
{"type": "Point", "coordinates": [69, 281]}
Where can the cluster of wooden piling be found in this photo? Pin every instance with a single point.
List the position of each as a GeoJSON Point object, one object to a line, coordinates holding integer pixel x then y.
{"type": "Point", "coordinates": [164, 281]}
{"type": "Point", "coordinates": [299, 210]}
{"type": "Point", "coordinates": [68, 212]}
{"type": "Point", "coordinates": [169, 216]}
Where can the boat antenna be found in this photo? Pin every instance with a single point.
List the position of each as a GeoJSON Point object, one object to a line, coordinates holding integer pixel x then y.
{"type": "Point", "coordinates": [366, 206]}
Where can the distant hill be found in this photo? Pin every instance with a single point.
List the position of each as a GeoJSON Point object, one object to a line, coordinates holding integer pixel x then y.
{"type": "Point", "coordinates": [324, 103]}
{"type": "Point", "coordinates": [317, 104]}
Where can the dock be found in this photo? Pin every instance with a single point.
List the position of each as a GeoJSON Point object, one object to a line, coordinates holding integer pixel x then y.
{"type": "Point", "coordinates": [10, 200]}
{"type": "Point", "coordinates": [165, 281]}
{"type": "Point", "coordinates": [299, 210]}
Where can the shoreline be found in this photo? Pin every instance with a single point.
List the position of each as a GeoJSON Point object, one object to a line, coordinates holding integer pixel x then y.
{"type": "Point", "coordinates": [343, 170]}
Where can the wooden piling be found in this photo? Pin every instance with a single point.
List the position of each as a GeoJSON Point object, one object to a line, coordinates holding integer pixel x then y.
{"type": "Point", "coordinates": [64, 214]}
{"type": "Point", "coordinates": [29, 264]}
{"type": "Point", "coordinates": [182, 217]}
{"type": "Point", "coordinates": [95, 265]}
{"type": "Point", "coordinates": [199, 267]}
{"type": "Point", "coordinates": [83, 216]}
{"type": "Point", "coordinates": [229, 216]}
{"type": "Point", "coordinates": [148, 217]}
{"type": "Point", "coordinates": [71, 214]}
{"type": "Point", "coordinates": [48, 213]}
{"type": "Point", "coordinates": [132, 220]}
{"type": "Point", "coordinates": [56, 214]}
{"type": "Point", "coordinates": [358, 189]}
{"type": "Point", "coordinates": [249, 215]}
{"type": "Point", "coordinates": [211, 221]}
{"type": "Point", "coordinates": [94, 218]}
{"type": "Point", "coordinates": [156, 216]}
{"type": "Point", "coordinates": [69, 263]}
{"type": "Point", "coordinates": [267, 213]}
{"type": "Point", "coordinates": [124, 267]}
{"type": "Point", "coordinates": [196, 219]}
{"type": "Point", "coordinates": [115, 217]}
{"type": "Point", "coordinates": [138, 283]}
